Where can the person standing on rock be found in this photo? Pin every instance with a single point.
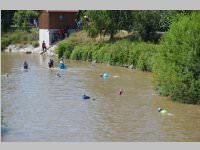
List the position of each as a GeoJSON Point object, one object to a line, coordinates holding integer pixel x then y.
{"type": "Point", "coordinates": [44, 48]}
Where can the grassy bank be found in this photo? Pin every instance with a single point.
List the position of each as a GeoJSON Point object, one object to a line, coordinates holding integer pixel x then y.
{"type": "Point", "coordinates": [122, 52]}
{"type": "Point", "coordinates": [20, 38]}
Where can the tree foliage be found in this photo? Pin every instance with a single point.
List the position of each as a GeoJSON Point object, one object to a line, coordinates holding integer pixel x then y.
{"type": "Point", "coordinates": [6, 19]}
{"type": "Point", "coordinates": [108, 22]}
{"type": "Point", "coordinates": [167, 16]}
{"type": "Point", "coordinates": [22, 17]}
{"type": "Point", "coordinates": [143, 22]}
{"type": "Point", "coordinates": [177, 66]}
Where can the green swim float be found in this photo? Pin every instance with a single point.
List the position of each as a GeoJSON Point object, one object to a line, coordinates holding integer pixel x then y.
{"type": "Point", "coordinates": [162, 111]}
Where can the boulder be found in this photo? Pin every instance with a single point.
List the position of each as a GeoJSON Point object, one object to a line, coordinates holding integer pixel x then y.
{"type": "Point", "coordinates": [131, 67]}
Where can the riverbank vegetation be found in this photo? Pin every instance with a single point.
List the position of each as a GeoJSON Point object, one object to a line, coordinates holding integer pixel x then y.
{"type": "Point", "coordinates": [120, 53]}
{"type": "Point", "coordinates": [20, 37]}
{"type": "Point", "coordinates": [173, 58]}
{"type": "Point", "coordinates": [177, 65]}
{"type": "Point", "coordinates": [22, 32]}
{"type": "Point", "coordinates": [166, 43]}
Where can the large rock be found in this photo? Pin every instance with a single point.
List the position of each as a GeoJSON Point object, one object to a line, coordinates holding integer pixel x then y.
{"type": "Point", "coordinates": [131, 67]}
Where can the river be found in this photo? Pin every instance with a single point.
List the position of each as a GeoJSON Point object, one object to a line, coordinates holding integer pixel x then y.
{"type": "Point", "coordinates": [39, 106]}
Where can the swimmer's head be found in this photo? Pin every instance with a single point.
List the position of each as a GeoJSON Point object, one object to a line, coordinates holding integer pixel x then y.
{"type": "Point", "coordinates": [158, 109]}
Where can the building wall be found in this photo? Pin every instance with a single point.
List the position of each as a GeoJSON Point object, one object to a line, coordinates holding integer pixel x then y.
{"type": "Point", "coordinates": [44, 36]}
{"type": "Point", "coordinates": [51, 34]}
{"type": "Point", "coordinates": [51, 21]}
{"type": "Point", "coordinates": [43, 19]}
{"type": "Point", "coordinates": [62, 19]}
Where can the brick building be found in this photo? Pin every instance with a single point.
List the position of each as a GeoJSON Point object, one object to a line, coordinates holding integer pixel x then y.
{"type": "Point", "coordinates": [51, 21]}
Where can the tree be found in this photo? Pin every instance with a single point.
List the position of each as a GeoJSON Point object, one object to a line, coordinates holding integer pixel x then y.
{"type": "Point", "coordinates": [177, 66]}
{"type": "Point", "coordinates": [108, 22]}
{"type": "Point", "coordinates": [167, 17]}
{"type": "Point", "coordinates": [6, 19]}
{"type": "Point", "coordinates": [22, 17]}
{"type": "Point", "coordinates": [146, 22]}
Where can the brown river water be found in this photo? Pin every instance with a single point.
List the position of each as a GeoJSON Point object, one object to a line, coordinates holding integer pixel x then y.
{"type": "Point", "coordinates": [39, 106]}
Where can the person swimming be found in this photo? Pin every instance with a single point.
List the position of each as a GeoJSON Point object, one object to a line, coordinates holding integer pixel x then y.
{"type": "Point", "coordinates": [62, 64]}
{"type": "Point", "coordinates": [121, 92]}
{"type": "Point", "coordinates": [85, 97]}
{"type": "Point", "coordinates": [159, 109]}
{"type": "Point", "coordinates": [104, 75]}
{"type": "Point", "coordinates": [62, 60]}
{"type": "Point", "coordinates": [25, 65]}
{"type": "Point", "coordinates": [51, 63]}
{"type": "Point", "coordinates": [58, 75]}
{"type": "Point", "coordinates": [162, 111]}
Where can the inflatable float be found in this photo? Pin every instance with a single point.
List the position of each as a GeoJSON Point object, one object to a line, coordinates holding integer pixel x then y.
{"type": "Point", "coordinates": [162, 111]}
{"type": "Point", "coordinates": [62, 66]}
{"type": "Point", "coordinates": [85, 97]}
{"type": "Point", "coordinates": [105, 75]}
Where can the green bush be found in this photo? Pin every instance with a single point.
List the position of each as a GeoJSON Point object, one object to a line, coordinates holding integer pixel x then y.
{"type": "Point", "coordinates": [177, 66]}
{"type": "Point", "coordinates": [122, 52]}
{"type": "Point", "coordinates": [119, 53]}
{"type": "Point", "coordinates": [5, 42]}
{"type": "Point", "coordinates": [65, 48]}
{"type": "Point", "coordinates": [83, 52]}
{"type": "Point", "coordinates": [146, 58]}
{"type": "Point", "coordinates": [142, 55]}
{"type": "Point", "coordinates": [100, 53]}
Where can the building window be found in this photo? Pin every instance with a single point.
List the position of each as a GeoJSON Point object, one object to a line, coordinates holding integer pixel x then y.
{"type": "Point", "coordinates": [61, 17]}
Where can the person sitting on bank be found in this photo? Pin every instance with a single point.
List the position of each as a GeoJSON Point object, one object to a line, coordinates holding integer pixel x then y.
{"type": "Point", "coordinates": [25, 65]}
{"type": "Point", "coordinates": [44, 48]}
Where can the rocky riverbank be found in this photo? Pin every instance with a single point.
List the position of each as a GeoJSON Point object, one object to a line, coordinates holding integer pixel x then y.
{"type": "Point", "coordinates": [30, 49]}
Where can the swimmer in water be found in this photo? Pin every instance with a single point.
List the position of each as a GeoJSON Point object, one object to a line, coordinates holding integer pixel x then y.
{"type": "Point", "coordinates": [101, 75]}
{"type": "Point", "coordinates": [58, 75]}
{"type": "Point", "coordinates": [25, 65]}
{"type": "Point", "coordinates": [121, 92]}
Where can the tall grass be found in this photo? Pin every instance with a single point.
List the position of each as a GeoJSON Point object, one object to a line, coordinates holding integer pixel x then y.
{"type": "Point", "coordinates": [19, 37]}
{"type": "Point", "coordinates": [120, 53]}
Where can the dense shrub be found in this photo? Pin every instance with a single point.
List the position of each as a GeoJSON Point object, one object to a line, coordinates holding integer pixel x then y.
{"type": "Point", "coordinates": [177, 66]}
{"type": "Point", "coordinates": [119, 52]}
{"type": "Point", "coordinates": [81, 52]}
{"type": "Point", "coordinates": [5, 42]}
{"type": "Point", "coordinates": [146, 56]}
{"type": "Point", "coordinates": [123, 52]}
{"type": "Point", "coordinates": [65, 48]}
